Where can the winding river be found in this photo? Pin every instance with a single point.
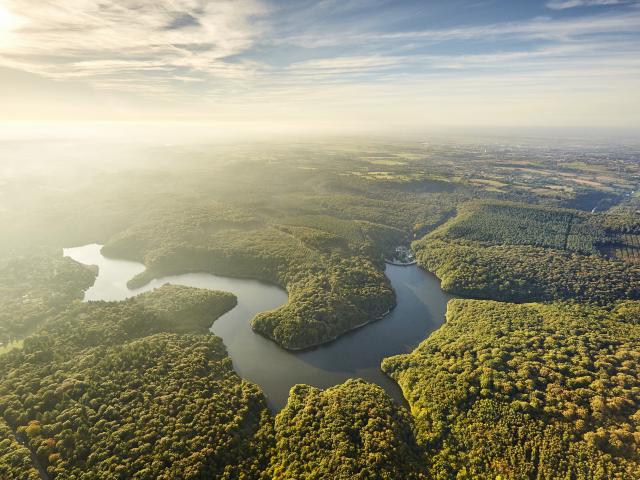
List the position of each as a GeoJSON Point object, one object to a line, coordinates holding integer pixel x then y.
{"type": "Point", "coordinates": [421, 308]}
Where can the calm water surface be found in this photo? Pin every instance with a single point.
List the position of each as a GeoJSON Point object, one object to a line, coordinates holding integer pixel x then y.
{"type": "Point", "coordinates": [421, 308]}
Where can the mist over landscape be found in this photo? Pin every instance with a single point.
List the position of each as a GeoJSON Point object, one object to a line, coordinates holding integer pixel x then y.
{"type": "Point", "coordinates": [361, 239]}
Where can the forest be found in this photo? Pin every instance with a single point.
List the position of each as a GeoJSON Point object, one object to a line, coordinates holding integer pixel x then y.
{"type": "Point", "coordinates": [527, 391]}
{"type": "Point", "coordinates": [330, 292]}
{"type": "Point", "coordinates": [350, 431]}
{"type": "Point", "coordinates": [36, 286]}
{"type": "Point", "coordinates": [108, 390]}
{"type": "Point", "coordinates": [15, 458]}
{"type": "Point", "coordinates": [534, 374]}
{"type": "Point", "coordinates": [521, 253]}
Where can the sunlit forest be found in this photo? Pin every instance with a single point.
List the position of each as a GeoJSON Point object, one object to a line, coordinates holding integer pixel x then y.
{"type": "Point", "coordinates": [319, 240]}
{"type": "Point", "coordinates": [532, 375]}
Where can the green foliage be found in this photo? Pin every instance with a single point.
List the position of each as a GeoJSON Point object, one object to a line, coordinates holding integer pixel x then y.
{"type": "Point", "coordinates": [504, 223]}
{"type": "Point", "coordinates": [527, 391]}
{"type": "Point", "coordinates": [125, 390]}
{"type": "Point", "coordinates": [348, 230]}
{"type": "Point", "coordinates": [37, 286]}
{"type": "Point", "coordinates": [269, 214]}
{"type": "Point", "coordinates": [324, 303]}
{"type": "Point", "coordinates": [623, 232]}
{"type": "Point", "coordinates": [99, 393]}
{"type": "Point", "coordinates": [171, 308]}
{"type": "Point", "coordinates": [523, 273]}
{"type": "Point", "coordinates": [622, 222]}
{"type": "Point", "coordinates": [317, 239]}
{"type": "Point", "coordinates": [182, 309]}
{"type": "Point", "coordinates": [15, 459]}
{"type": "Point", "coordinates": [330, 291]}
{"type": "Point", "coordinates": [189, 224]}
{"type": "Point", "coordinates": [312, 221]}
{"type": "Point", "coordinates": [351, 431]}
{"type": "Point", "coordinates": [263, 254]}
{"type": "Point", "coordinates": [513, 252]}
{"type": "Point", "coordinates": [162, 407]}
{"type": "Point", "coordinates": [353, 236]}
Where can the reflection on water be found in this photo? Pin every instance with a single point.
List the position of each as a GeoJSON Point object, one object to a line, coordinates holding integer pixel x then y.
{"type": "Point", "coordinates": [420, 310]}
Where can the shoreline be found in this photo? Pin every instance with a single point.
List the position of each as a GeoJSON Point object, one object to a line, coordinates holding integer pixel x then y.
{"type": "Point", "coordinates": [400, 264]}
{"type": "Point", "coordinates": [329, 340]}
{"type": "Point", "coordinates": [356, 327]}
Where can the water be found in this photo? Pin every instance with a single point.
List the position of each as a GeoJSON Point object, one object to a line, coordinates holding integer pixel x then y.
{"type": "Point", "coordinates": [421, 308]}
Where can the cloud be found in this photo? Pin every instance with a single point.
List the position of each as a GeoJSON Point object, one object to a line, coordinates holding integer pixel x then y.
{"type": "Point", "coordinates": [183, 20]}
{"type": "Point", "coordinates": [237, 57]}
{"type": "Point", "coordinates": [564, 4]}
{"type": "Point", "coordinates": [534, 29]}
{"type": "Point", "coordinates": [129, 40]}
{"type": "Point", "coordinates": [582, 56]}
{"type": "Point", "coordinates": [126, 44]}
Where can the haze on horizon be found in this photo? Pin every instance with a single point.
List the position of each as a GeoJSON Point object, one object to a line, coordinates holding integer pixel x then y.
{"type": "Point", "coordinates": [327, 66]}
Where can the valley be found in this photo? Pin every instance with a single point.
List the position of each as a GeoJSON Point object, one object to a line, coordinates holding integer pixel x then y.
{"type": "Point", "coordinates": [420, 309]}
{"type": "Point", "coordinates": [285, 346]}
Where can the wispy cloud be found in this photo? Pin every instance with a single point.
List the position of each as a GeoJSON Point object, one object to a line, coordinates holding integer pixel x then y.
{"type": "Point", "coordinates": [125, 40]}
{"type": "Point", "coordinates": [244, 55]}
{"type": "Point", "coordinates": [542, 28]}
{"type": "Point", "coordinates": [565, 4]}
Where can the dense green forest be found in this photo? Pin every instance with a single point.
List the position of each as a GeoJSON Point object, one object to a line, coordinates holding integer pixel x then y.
{"type": "Point", "coordinates": [329, 292]}
{"type": "Point", "coordinates": [36, 286]}
{"type": "Point", "coordinates": [101, 392]}
{"type": "Point", "coordinates": [179, 309]}
{"type": "Point", "coordinates": [503, 223]}
{"type": "Point", "coordinates": [515, 252]}
{"type": "Point", "coordinates": [332, 268]}
{"type": "Point", "coordinates": [351, 431]}
{"type": "Point", "coordinates": [315, 219]}
{"type": "Point", "coordinates": [164, 406]}
{"type": "Point", "coordinates": [15, 458]}
{"type": "Point", "coordinates": [510, 223]}
{"type": "Point", "coordinates": [140, 389]}
{"type": "Point", "coordinates": [527, 391]}
{"type": "Point", "coordinates": [330, 210]}
{"type": "Point", "coordinates": [108, 390]}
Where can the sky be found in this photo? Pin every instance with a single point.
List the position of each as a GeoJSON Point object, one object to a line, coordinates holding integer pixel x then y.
{"type": "Point", "coordinates": [328, 65]}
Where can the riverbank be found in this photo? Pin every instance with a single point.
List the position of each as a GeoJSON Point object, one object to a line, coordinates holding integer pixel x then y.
{"type": "Point", "coordinates": [357, 353]}
{"type": "Point", "coordinates": [400, 264]}
{"type": "Point", "coordinates": [403, 257]}
{"type": "Point", "coordinates": [345, 332]}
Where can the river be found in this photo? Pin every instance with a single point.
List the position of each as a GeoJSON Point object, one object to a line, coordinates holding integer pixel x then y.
{"type": "Point", "coordinates": [420, 310]}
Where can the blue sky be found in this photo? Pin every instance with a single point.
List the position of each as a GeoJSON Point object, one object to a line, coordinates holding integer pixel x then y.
{"type": "Point", "coordinates": [359, 62]}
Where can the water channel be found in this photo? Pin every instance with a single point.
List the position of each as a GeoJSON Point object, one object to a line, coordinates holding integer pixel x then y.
{"type": "Point", "coordinates": [420, 310]}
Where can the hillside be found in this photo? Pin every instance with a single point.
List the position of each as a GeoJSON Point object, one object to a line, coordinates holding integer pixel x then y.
{"type": "Point", "coordinates": [516, 252]}
{"type": "Point", "coordinates": [527, 391]}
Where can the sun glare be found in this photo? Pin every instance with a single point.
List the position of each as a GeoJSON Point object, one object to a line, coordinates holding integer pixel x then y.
{"type": "Point", "coordinates": [8, 21]}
